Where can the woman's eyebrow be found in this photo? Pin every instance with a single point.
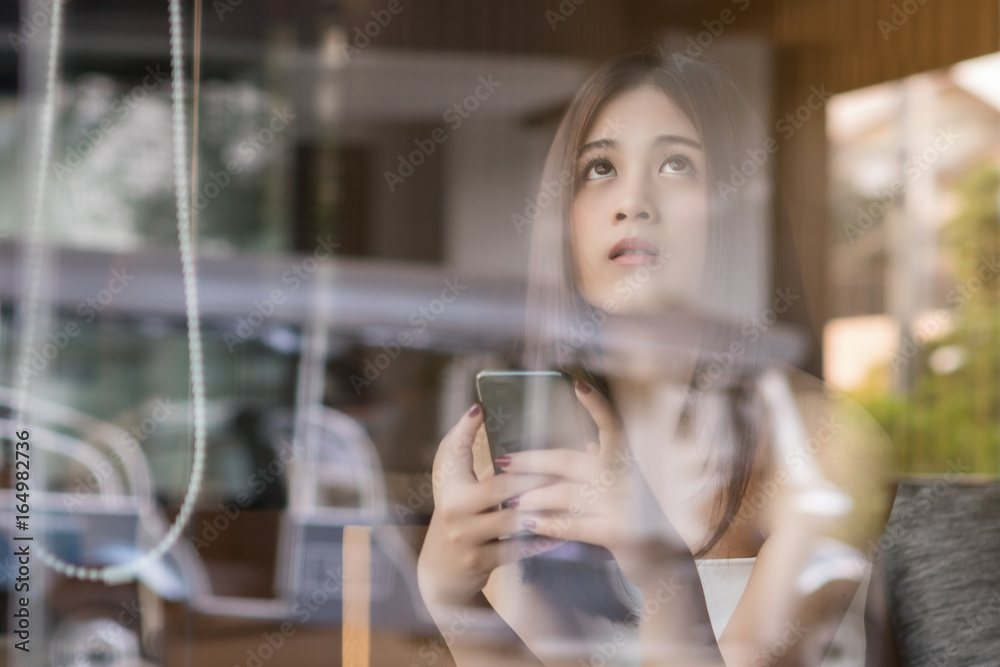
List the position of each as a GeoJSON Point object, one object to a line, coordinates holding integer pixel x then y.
{"type": "Point", "coordinates": [678, 139]}
{"type": "Point", "coordinates": [599, 144]}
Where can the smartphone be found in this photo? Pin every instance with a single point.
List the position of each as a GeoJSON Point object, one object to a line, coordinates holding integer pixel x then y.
{"type": "Point", "coordinates": [536, 410]}
{"type": "Point", "coordinates": [531, 410]}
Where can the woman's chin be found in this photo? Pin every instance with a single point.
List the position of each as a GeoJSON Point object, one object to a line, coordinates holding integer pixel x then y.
{"type": "Point", "coordinates": [644, 303]}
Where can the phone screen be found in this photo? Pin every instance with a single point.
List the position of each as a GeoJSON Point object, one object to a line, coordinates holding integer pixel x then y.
{"type": "Point", "coordinates": [530, 410]}
{"type": "Point", "coordinates": [534, 410]}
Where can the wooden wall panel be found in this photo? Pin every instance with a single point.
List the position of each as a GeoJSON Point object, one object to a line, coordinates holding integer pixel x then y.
{"type": "Point", "coordinates": [870, 41]}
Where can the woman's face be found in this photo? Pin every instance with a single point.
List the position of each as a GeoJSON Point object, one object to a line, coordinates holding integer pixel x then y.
{"type": "Point", "coordinates": [639, 219]}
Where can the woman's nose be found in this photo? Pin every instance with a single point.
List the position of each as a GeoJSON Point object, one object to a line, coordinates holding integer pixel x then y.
{"type": "Point", "coordinates": [634, 212]}
{"type": "Point", "coordinates": [635, 204]}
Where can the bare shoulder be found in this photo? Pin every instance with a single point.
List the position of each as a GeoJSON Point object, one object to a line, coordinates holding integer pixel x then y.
{"type": "Point", "coordinates": [845, 446]}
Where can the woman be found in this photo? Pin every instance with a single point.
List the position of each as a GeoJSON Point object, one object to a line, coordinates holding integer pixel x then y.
{"type": "Point", "coordinates": [741, 519]}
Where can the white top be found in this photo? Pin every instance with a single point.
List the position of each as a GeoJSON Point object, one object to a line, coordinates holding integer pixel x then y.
{"type": "Point", "coordinates": [724, 581]}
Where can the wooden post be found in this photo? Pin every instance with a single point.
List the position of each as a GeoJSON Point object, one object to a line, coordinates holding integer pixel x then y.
{"type": "Point", "coordinates": [356, 623]}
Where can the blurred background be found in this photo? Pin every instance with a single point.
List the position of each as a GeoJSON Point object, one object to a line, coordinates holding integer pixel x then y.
{"type": "Point", "coordinates": [367, 176]}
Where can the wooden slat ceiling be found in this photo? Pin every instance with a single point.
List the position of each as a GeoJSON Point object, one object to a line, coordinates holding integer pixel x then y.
{"type": "Point", "coordinates": [861, 42]}
{"type": "Point", "coordinates": [846, 34]}
{"type": "Point", "coordinates": [871, 41]}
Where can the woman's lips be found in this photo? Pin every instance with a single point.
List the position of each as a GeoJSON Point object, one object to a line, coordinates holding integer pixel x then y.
{"type": "Point", "coordinates": [633, 251]}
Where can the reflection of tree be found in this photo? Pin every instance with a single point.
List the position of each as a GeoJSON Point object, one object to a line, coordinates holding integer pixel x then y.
{"type": "Point", "coordinates": [953, 411]}
{"type": "Point", "coordinates": [113, 178]}
{"type": "Point", "coordinates": [239, 215]}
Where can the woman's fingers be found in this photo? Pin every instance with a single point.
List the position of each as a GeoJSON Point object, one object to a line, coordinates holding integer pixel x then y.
{"type": "Point", "coordinates": [558, 497]}
{"type": "Point", "coordinates": [526, 546]}
{"type": "Point", "coordinates": [500, 488]}
{"type": "Point", "coordinates": [573, 465]}
{"type": "Point", "coordinates": [492, 555]}
{"type": "Point", "coordinates": [567, 526]}
{"type": "Point", "coordinates": [487, 538]}
{"type": "Point", "coordinates": [490, 526]}
{"type": "Point", "coordinates": [607, 420]}
{"type": "Point", "coordinates": [454, 458]}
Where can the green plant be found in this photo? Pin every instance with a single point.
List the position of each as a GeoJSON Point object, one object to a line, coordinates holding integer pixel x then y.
{"type": "Point", "coordinates": [952, 409]}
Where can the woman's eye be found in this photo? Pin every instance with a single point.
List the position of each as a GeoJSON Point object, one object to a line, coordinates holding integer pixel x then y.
{"type": "Point", "coordinates": [598, 169]}
{"type": "Point", "coordinates": [677, 164]}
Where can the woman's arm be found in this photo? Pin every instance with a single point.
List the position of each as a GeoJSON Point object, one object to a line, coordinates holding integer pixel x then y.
{"type": "Point", "coordinates": [462, 548]}
{"type": "Point", "coordinates": [832, 487]}
{"type": "Point", "coordinates": [478, 636]}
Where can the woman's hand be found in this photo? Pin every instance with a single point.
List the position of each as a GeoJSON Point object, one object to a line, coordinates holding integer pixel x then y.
{"type": "Point", "coordinates": [462, 546]}
{"type": "Point", "coordinates": [599, 496]}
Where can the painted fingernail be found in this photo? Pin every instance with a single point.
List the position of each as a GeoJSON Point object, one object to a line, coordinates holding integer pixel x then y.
{"type": "Point", "coordinates": [474, 410]}
{"type": "Point", "coordinates": [502, 461]}
{"type": "Point", "coordinates": [528, 523]}
{"type": "Point", "coordinates": [514, 502]}
{"type": "Point", "coordinates": [582, 387]}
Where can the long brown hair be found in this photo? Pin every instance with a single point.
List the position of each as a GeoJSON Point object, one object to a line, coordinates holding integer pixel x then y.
{"type": "Point", "coordinates": [556, 312]}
